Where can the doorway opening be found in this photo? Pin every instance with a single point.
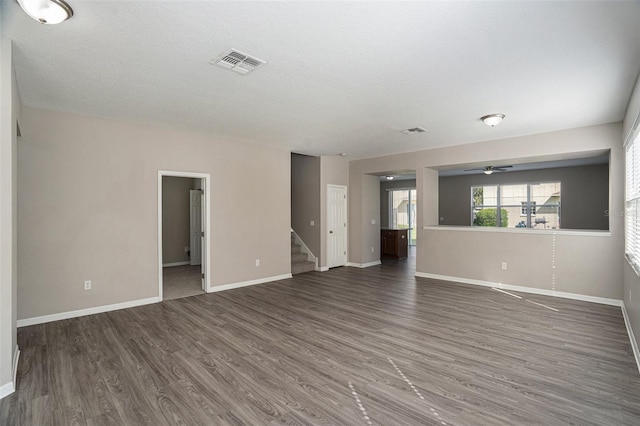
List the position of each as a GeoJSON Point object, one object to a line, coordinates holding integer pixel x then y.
{"type": "Point", "coordinates": [399, 217]}
{"type": "Point", "coordinates": [403, 212]}
{"type": "Point", "coordinates": [183, 234]}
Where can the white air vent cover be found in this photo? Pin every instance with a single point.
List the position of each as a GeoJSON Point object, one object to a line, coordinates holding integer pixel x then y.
{"type": "Point", "coordinates": [414, 131]}
{"type": "Point", "coordinates": [238, 62]}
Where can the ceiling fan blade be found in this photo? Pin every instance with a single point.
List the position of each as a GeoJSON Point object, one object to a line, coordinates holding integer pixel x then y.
{"type": "Point", "coordinates": [501, 168]}
{"type": "Point", "coordinates": [486, 168]}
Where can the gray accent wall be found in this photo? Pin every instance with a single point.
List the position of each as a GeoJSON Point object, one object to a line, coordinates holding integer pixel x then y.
{"type": "Point", "coordinates": [89, 208]}
{"type": "Point", "coordinates": [176, 218]}
{"type": "Point", "coordinates": [584, 193]}
{"type": "Point", "coordinates": [10, 114]}
{"type": "Point", "coordinates": [305, 200]}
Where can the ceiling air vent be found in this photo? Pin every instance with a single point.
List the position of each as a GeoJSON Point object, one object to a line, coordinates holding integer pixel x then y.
{"type": "Point", "coordinates": [414, 131]}
{"type": "Point", "coordinates": [238, 62]}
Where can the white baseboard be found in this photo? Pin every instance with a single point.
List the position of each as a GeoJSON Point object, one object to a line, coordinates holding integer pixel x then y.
{"type": "Point", "coordinates": [7, 389]}
{"type": "Point", "coordinates": [322, 268]}
{"type": "Point", "coordinates": [16, 359]}
{"type": "Point", "coordinates": [532, 290]}
{"type": "Point", "coordinates": [224, 287]}
{"type": "Point", "coordinates": [88, 311]}
{"type": "Point", "coordinates": [168, 265]}
{"type": "Point", "coordinates": [364, 265]}
{"type": "Point", "coordinates": [632, 337]}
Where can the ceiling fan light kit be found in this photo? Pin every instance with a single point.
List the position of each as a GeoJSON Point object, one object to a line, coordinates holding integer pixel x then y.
{"type": "Point", "coordinates": [487, 170]}
{"type": "Point", "coordinates": [47, 11]}
{"type": "Point", "coordinates": [492, 120]}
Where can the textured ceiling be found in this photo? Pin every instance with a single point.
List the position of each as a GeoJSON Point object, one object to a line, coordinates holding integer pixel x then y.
{"type": "Point", "coordinates": [341, 76]}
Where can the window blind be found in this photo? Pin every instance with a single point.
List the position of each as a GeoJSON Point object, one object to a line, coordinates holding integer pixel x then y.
{"type": "Point", "coordinates": [632, 198]}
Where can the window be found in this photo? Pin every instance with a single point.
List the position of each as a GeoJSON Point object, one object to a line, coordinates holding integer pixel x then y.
{"type": "Point", "coordinates": [525, 205]}
{"type": "Point", "coordinates": [632, 200]}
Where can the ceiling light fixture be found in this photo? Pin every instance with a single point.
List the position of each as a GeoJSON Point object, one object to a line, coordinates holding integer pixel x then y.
{"type": "Point", "coordinates": [47, 11]}
{"type": "Point", "coordinates": [389, 177]}
{"type": "Point", "coordinates": [492, 119]}
{"type": "Point", "coordinates": [488, 171]}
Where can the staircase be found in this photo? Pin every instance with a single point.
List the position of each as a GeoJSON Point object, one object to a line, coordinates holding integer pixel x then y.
{"type": "Point", "coordinates": [299, 261]}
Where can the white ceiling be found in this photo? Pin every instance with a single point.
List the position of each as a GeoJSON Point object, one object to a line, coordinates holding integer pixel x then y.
{"type": "Point", "coordinates": [341, 76]}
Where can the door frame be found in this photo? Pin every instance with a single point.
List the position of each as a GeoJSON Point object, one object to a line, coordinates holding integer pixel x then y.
{"type": "Point", "coordinates": [206, 249]}
{"type": "Point", "coordinates": [346, 228]}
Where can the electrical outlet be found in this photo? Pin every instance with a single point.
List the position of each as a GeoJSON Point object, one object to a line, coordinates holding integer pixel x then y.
{"type": "Point", "coordinates": [257, 262]}
{"type": "Point", "coordinates": [87, 285]}
{"type": "Point", "coordinates": [186, 249]}
{"type": "Point", "coordinates": [372, 249]}
{"type": "Point", "coordinates": [504, 266]}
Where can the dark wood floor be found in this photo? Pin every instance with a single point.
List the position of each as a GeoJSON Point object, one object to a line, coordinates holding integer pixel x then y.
{"type": "Point", "coordinates": [348, 346]}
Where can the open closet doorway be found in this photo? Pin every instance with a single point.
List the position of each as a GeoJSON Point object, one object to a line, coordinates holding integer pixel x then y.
{"type": "Point", "coordinates": [183, 237]}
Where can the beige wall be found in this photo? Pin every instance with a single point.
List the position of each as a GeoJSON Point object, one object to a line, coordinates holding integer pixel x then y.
{"type": "Point", "coordinates": [631, 279]}
{"type": "Point", "coordinates": [88, 193]}
{"type": "Point", "coordinates": [584, 194]}
{"type": "Point", "coordinates": [176, 218]}
{"type": "Point", "coordinates": [305, 200]}
{"type": "Point", "coordinates": [10, 110]}
{"type": "Point", "coordinates": [364, 218]}
{"type": "Point", "coordinates": [333, 171]}
{"type": "Point", "coordinates": [452, 252]}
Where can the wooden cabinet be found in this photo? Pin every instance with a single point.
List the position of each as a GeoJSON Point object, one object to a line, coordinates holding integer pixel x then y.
{"type": "Point", "coordinates": [394, 242]}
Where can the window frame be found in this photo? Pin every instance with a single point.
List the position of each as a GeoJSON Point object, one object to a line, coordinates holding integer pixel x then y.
{"type": "Point", "coordinates": [523, 206]}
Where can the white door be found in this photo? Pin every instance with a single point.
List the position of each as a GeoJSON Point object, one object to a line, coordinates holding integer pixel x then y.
{"type": "Point", "coordinates": [195, 226]}
{"type": "Point", "coordinates": [337, 225]}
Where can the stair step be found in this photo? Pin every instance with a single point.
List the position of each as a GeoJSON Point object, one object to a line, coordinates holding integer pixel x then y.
{"type": "Point", "coordinates": [299, 257]}
{"type": "Point", "coordinates": [301, 267]}
{"type": "Point", "coordinates": [299, 261]}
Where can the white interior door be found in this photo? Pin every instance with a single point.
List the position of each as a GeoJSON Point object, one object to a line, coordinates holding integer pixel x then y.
{"type": "Point", "coordinates": [337, 225]}
{"type": "Point", "coordinates": [195, 226]}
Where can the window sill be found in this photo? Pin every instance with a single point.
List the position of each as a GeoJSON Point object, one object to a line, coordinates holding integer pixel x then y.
{"type": "Point", "coordinates": [581, 232]}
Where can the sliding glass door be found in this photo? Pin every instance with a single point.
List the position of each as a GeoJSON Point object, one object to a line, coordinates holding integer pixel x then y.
{"type": "Point", "coordinates": [402, 211]}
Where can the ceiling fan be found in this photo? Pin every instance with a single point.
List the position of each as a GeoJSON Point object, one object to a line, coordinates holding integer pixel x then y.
{"type": "Point", "coordinates": [487, 170]}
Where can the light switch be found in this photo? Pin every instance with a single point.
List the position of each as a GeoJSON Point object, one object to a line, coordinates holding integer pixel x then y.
{"type": "Point", "coordinates": [312, 223]}
{"type": "Point", "coordinates": [373, 221]}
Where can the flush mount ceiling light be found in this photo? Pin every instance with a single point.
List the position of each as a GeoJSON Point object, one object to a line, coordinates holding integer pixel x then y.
{"type": "Point", "coordinates": [492, 120]}
{"type": "Point", "coordinates": [47, 11]}
{"type": "Point", "coordinates": [389, 177]}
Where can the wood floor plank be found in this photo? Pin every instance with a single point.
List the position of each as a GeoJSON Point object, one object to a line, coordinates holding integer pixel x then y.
{"type": "Point", "coordinates": [413, 350]}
